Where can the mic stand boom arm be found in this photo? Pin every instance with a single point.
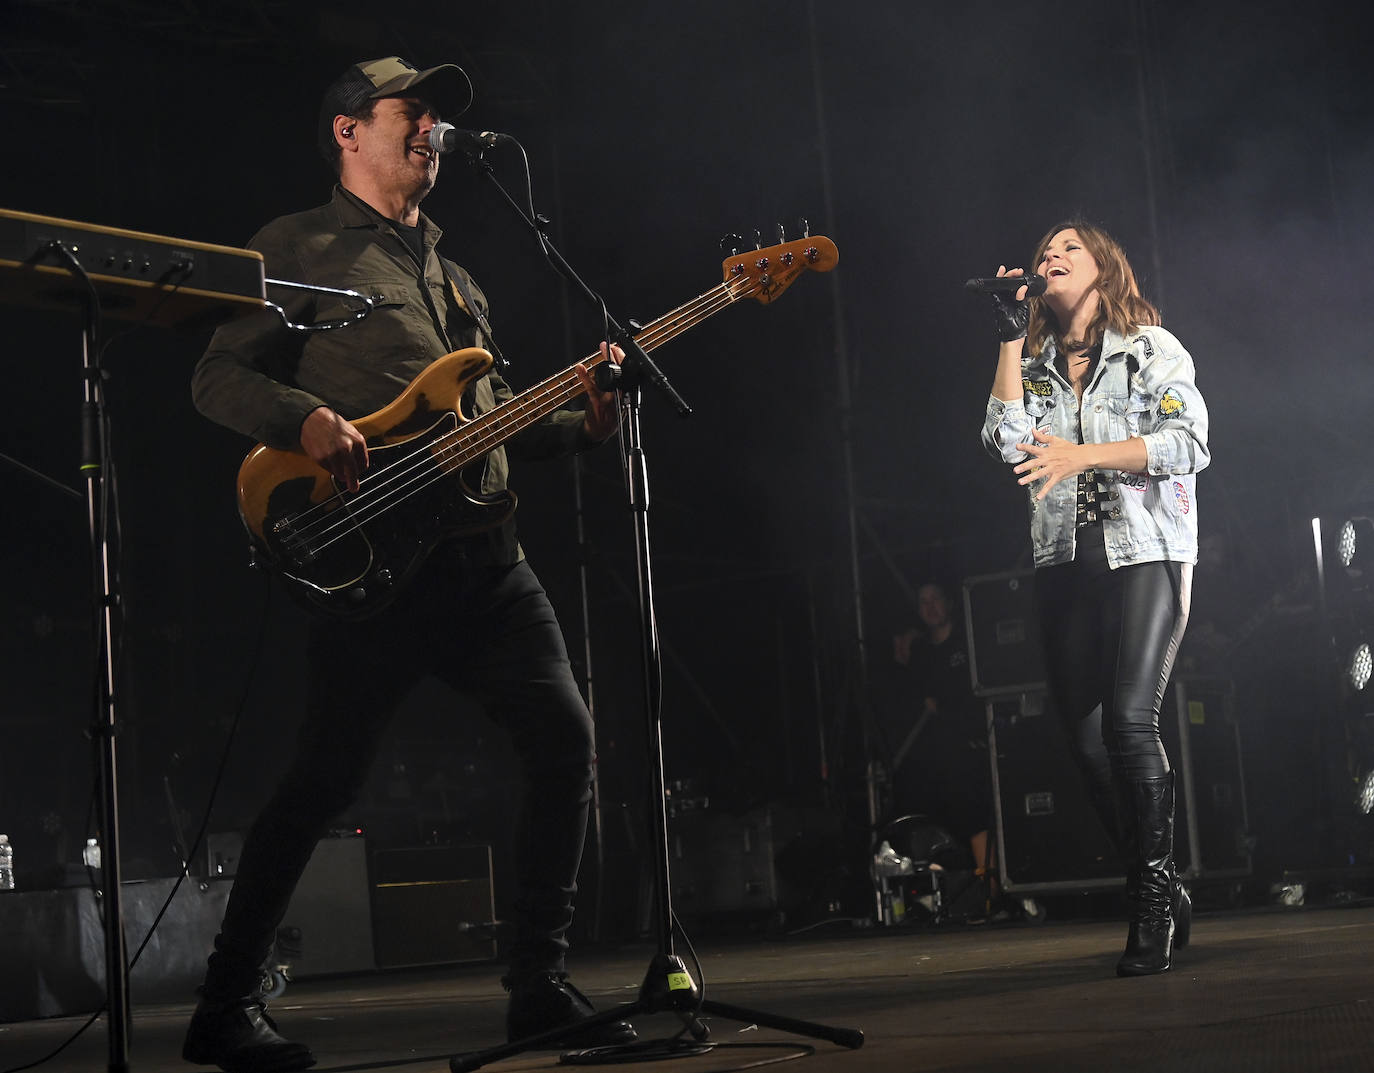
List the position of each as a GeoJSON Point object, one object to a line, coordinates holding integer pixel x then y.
{"type": "Point", "coordinates": [637, 360]}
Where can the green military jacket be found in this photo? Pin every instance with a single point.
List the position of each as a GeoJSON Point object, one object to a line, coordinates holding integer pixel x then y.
{"type": "Point", "coordinates": [261, 378]}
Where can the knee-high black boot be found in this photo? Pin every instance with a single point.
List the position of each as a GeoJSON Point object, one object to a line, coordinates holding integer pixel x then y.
{"type": "Point", "coordinates": [1111, 808]}
{"type": "Point", "coordinates": [1149, 943]}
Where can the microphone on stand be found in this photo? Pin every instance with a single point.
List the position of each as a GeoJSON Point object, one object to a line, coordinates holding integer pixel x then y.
{"type": "Point", "coordinates": [1035, 285]}
{"type": "Point", "coordinates": [445, 138]}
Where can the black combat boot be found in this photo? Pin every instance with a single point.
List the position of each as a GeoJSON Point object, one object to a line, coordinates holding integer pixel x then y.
{"type": "Point", "coordinates": [543, 1001]}
{"type": "Point", "coordinates": [239, 1037]}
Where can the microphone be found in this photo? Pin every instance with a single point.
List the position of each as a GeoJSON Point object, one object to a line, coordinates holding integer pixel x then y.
{"type": "Point", "coordinates": [1034, 284]}
{"type": "Point", "coordinates": [445, 138]}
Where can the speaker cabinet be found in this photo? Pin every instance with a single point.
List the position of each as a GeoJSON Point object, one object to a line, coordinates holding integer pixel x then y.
{"type": "Point", "coordinates": [433, 905]}
{"type": "Point", "coordinates": [1003, 639]}
{"type": "Point", "coordinates": [328, 923]}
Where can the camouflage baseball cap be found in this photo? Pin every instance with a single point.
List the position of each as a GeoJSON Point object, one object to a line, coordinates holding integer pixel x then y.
{"type": "Point", "coordinates": [447, 87]}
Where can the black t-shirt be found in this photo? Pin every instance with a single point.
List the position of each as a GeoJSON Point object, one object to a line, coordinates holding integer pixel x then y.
{"type": "Point", "coordinates": [941, 671]}
{"type": "Point", "coordinates": [943, 771]}
{"type": "Point", "coordinates": [414, 237]}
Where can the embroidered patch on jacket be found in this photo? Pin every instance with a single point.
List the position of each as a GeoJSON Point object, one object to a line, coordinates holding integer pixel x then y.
{"type": "Point", "coordinates": [1136, 482]}
{"type": "Point", "coordinates": [1038, 387]}
{"type": "Point", "coordinates": [1149, 350]}
{"type": "Point", "coordinates": [1181, 496]}
{"type": "Point", "coordinates": [1171, 405]}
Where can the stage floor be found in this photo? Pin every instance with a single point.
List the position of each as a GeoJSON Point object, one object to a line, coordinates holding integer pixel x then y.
{"type": "Point", "coordinates": [1273, 989]}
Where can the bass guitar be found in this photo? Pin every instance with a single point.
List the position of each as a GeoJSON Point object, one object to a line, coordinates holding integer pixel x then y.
{"type": "Point", "coordinates": [349, 554]}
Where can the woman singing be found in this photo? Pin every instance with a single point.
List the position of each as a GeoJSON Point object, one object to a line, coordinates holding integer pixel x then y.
{"type": "Point", "coordinates": [1095, 406]}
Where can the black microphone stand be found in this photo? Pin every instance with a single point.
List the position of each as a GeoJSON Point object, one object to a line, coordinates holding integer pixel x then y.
{"type": "Point", "coordinates": [667, 985]}
{"type": "Point", "coordinates": [95, 462]}
{"type": "Point", "coordinates": [107, 622]}
{"type": "Point", "coordinates": [106, 615]}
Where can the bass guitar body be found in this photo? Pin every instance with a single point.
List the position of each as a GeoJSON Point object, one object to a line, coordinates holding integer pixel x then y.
{"type": "Point", "coordinates": [349, 554]}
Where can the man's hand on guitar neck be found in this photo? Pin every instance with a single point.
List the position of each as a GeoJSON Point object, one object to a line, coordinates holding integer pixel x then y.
{"type": "Point", "coordinates": [603, 417]}
{"type": "Point", "coordinates": [335, 445]}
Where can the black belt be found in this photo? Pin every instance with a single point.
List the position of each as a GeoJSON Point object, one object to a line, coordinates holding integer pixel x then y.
{"type": "Point", "coordinates": [1095, 500]}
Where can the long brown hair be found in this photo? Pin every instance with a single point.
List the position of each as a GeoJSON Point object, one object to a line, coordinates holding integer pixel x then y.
{"type": "Point", "coordinates": [1120, 304]}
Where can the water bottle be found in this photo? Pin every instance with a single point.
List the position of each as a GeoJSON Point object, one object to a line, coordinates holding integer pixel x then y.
{"type": "Point", "coordinates": [6, 863]}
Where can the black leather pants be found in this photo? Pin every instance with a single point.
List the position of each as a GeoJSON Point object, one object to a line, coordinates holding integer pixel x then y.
{"type": "Point", "coordinates": [491, 633]}
{"type": "Point", "coordinates": [1110, 638]}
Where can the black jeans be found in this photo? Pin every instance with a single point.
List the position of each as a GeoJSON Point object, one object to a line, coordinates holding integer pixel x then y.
{"type": "Point", "coordinates": [488, 631]}
{"type": "Point", "coordinates": [1110, 638]}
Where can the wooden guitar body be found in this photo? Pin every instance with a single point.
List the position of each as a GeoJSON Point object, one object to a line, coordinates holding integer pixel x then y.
{"type": "Point", "coordinates": [351, 553]}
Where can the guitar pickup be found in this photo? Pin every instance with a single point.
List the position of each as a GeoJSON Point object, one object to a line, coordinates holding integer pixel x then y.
{"type": "Point", "coordinates": [291, 543]}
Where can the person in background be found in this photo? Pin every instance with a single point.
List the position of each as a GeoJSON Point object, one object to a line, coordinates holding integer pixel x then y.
{"type": "Point", "coordinates": [940, 760]}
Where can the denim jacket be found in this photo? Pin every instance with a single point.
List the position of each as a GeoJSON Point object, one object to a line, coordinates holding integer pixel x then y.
{"type": "Point", "coordinates": [1144, 386]}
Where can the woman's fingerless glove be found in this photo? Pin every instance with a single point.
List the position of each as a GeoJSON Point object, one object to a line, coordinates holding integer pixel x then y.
{"type": "Point", "coordinates": [1010, 316]}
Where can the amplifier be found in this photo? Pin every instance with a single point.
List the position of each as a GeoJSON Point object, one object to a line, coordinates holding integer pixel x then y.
{"type": "Point", "coordinates": [433, 905]}
{"type": "Point", "coordinates": [328, 923]}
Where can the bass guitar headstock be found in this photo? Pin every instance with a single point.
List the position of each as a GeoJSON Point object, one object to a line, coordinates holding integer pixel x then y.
{"type": "Point", "coordinates": [763, 274]}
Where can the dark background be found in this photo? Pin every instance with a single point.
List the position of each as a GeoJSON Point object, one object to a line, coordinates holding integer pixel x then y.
{"type": "Point", "coordinates": [832, 463]}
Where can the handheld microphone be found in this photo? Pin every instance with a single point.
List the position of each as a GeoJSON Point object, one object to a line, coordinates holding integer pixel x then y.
{"type": "Point", "coordinates": [1035, 285]}
{"type": "Point", "coordinates": [445, 138]}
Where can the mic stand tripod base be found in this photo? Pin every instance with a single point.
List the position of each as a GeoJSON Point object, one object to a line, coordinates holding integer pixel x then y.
{"type": "Point", "coordinates": [667, 987]}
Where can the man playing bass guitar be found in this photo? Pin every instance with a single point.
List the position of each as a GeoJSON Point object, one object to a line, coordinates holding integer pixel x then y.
{"type": "Point", "coordinates": [475, 614]}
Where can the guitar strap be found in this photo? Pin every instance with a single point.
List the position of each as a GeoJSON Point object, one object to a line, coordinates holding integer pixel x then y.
{"type": "Point", "coordinates": [464, 296]}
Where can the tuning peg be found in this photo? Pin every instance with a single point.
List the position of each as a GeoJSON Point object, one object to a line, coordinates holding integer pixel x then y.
{"type": "Point", "coordinates": [731, 244]}
{"type": "Point", "coordinates": [782, 234]}
{"type": "Point", "coordinates": [758, 239]}
{"type": "Point", "coordinates": [804, 225]}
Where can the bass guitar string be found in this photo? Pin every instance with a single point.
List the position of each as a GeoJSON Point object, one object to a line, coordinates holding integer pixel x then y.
{"type": "Point", "coordinates": [397, 481]}
{"type": "Point", "coordinates": [476, 437]}
{"type": "Point", "coordinates": [413, 472]}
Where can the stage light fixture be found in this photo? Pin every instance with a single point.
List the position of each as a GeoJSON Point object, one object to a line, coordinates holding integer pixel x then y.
{"type": "Point", "coordinates": [1346, 543]}
{"type": "Point", "coordinates": [1355, 546]}
{"type": "Point", "coordinates": [1360, 667]}
{"type": "Point", "coordinates": [1366, 796]}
